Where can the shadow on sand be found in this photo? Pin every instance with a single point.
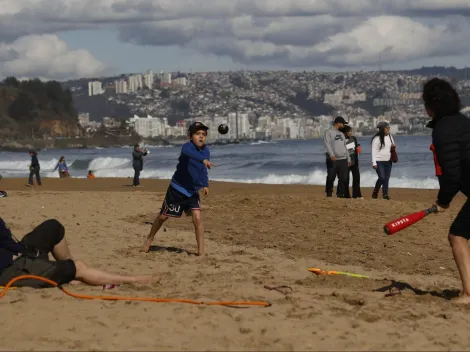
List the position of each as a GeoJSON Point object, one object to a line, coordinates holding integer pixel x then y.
{"type": "Point", "coordinates": [396, 287]}
{"type": "Point", "coordinates": [171, 250]}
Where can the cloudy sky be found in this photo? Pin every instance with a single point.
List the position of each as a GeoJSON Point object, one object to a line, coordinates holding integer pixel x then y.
{"type": "Point", "coordinates": [64, 39]}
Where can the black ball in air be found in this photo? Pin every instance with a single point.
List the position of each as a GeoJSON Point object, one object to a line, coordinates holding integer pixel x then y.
{"type": "Point", "coordinates": [223, 129]}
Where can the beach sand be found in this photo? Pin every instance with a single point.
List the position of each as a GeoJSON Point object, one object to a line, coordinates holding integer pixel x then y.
{"type": "Point", "coordinates": [256, 235]}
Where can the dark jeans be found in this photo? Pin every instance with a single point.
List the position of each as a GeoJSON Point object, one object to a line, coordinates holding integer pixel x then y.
{"type": "Point", "coordinates": [136, 181]}
{"type": "Point", "coordinates": [338, 168]}
{"type": "Point", "coordinates": [384, 170]}
{"type": "Point", "coordinates": [356, 182]}
{"type": "Point", "coordinates": [35, 171]}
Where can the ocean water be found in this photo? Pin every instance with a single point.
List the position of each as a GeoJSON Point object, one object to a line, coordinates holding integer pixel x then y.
{"type": "Point", "coordinates": [276, 162]}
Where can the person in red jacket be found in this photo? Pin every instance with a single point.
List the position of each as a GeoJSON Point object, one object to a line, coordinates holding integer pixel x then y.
{"type": "Point", "coordinates": [451, 148]}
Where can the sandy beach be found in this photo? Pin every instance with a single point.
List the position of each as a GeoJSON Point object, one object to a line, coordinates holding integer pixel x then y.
{"type": "Point", "coordinates": [256, 236]}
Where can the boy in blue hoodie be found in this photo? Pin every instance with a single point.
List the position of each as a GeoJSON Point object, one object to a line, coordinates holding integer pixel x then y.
{"type": "Point", "coordinates": [183, 193]}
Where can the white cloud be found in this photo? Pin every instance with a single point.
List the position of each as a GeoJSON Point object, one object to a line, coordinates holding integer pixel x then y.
{"type": "Point", "coordinates": [395, 39]}
{"type": "Point", "coordinates": [286, 33]}
{"type": "Point", "coordinates": [48, 57]}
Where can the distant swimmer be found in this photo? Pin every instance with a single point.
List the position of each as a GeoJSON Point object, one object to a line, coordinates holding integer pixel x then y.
{"type": "Point", "coordinates": [138, 163]}
{"type": "Point", "coordinates": [189, 178]}
{"type": "Point", "coordinates": [63, 168]}
{"type": "Point", "coordinates": [34, 168]}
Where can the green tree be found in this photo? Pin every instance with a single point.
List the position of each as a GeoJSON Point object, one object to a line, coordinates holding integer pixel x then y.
{"type": "Point", "coordinates": [22, 108]}
{"type": "Point", "coordinates": [12, 82]}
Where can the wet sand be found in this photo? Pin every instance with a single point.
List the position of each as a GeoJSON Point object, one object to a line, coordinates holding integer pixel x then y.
{"type": "Point", "coordinates": [256, 236]}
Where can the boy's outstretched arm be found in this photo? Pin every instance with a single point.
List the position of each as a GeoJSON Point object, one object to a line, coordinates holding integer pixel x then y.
{"type": "Point", "coordinates": [190, 150]}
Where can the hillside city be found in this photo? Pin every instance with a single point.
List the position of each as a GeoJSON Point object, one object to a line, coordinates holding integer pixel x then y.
{"type": "Point", "coordinates": [262, 105]}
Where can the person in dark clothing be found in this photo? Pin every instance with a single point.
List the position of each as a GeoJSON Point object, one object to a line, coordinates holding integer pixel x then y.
{"type": "Point", "coordinates": [337, 158]}
{"type": "Point", "coordinates": [354, 149]}
{"type": "Point", "coordinates": [451, 148]}
{"type": "Point", "coordinates": [138, 163]}
{"type": "Point", "coordinates": [31, 256]}
{"type": "Point", "coordinates": [34, 168]}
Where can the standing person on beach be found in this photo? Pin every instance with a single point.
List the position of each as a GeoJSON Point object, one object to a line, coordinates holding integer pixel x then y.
{"type": "Point", "coordinates": [354, 149]}
{"type": "Point", "coordinates": [451, 148]}
{"type": "Point", "coordinates": [382, 144]}
{"type": "Point", "coordinates": [138, 163]}
{"type": "Point", "coordinates": [63, 168]}
{"type": "Point", "coordinates": [34, 168]}
{"type": "Point", "coordinates": [183, 193]}
{"type": "Point", "coordinates": [337, 158]}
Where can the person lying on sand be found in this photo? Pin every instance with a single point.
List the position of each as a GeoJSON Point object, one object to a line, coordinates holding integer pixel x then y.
{"type": "Point", "coordinates": [31, 256]}
{"type": "Point", "coordinates": [451, 147]}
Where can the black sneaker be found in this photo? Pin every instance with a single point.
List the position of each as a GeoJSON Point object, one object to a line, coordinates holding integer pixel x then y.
{"type": "Point", "coordinates": [375, 195]}
{"type": "Point", "coordinates": [329, 195]}
{"type": "Point", "coordinates": [386, 197]}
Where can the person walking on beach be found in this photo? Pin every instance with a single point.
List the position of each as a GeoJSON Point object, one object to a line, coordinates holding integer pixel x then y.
{"type": "Point", "coordinates": [138, 163]}
{"type": "Point", "coordinates": [337, 158]}
{"type": "Point", "coordinates": [354, 149]}
{"type": "Point", "coordinates": [451, 148]}
{"type": "Point", "coordinates": [382, 144]}
{"type": "Point", "coordinates": [183, 193]}
{"type": "Point", "coordinates": [31, 256]}
{"type": "Point", "coordinates": [34, 169]}
{"type": "Point", "coordinates": [63, 168]}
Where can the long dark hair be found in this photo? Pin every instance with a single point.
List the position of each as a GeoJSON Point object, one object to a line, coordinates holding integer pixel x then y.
{"type": "Point", "coordinates": [381, 135]}
{"type": "Point", "coordinates": [441, 98]}
{"type": "Point", "coordinates": [346, 129]}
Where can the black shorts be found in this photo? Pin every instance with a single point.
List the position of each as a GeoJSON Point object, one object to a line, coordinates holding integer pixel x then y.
{"type": "Point", "coordinates": [176, 203]}
{"type": "Point", "coordinates": [461, 225]}
{"type": "Point", "coordinates": [40, 243]}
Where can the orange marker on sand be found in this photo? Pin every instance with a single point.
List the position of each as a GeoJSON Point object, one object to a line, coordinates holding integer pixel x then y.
{"type": "Point", "coordinates": [318, 271]}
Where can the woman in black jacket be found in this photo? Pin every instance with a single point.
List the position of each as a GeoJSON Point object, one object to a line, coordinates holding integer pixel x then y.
{"type": "Point", "coordinates": [451, 147]}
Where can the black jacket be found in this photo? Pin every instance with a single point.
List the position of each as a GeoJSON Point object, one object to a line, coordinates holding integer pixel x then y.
{"type": "Point", "coordinates": [451, 141]}
{"type": "Point", "coordinates": [353, 152]}
{"type": "Point", "coordinates": [34, 160]}
{"type": "Point", "coordinates": [138, 161]}
{"type": "Point", "coordinates": [8, 246]}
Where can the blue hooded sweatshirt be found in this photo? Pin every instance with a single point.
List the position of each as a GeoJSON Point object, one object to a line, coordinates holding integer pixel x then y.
{"type": "Point", "coordinates": [191, 173]}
